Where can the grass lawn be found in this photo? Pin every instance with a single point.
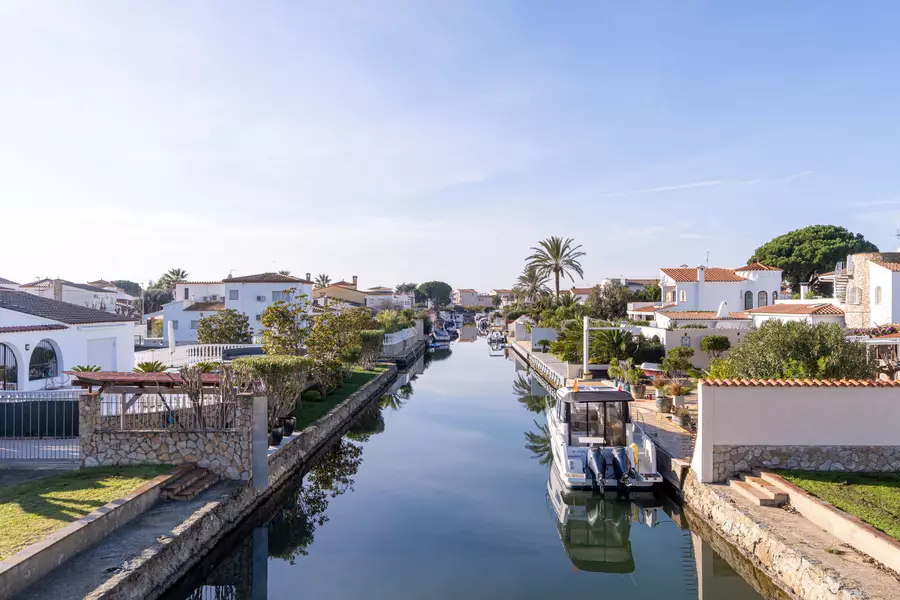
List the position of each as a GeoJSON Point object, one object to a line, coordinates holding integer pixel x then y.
{"type": "Point", "coordinates": [310, 412]}
{"type": "Point", "coordinates": [873, 497]}
{"type": "Point", "coordinates": [32, 509]}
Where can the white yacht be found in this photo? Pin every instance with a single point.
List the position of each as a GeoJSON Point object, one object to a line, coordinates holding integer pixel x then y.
{"type": "Point", "coordinates": [596, 444]}
{"type": "Point", "coordinates": [595, 530]}
{"type": "Point", "coordinates": [440, 335]}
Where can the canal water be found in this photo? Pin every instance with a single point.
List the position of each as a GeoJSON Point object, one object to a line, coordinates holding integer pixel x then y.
{"type": "Point", "coordinates": [441, 491]}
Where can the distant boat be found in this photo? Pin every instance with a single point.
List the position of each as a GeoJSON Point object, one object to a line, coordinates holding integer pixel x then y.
{"type": "Point", "coordinates": [440, 335]}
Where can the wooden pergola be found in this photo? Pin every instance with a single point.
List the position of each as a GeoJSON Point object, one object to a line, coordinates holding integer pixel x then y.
{"type": "Point", "coordinates": [123, 382]}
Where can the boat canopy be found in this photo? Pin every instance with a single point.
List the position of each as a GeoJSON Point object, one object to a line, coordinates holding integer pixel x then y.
{"type": "Point", "coordinates": [597, 393]}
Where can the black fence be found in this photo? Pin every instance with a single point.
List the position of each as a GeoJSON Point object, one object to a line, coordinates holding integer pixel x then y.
{"type": "Point", "coordinates": [39, 426]}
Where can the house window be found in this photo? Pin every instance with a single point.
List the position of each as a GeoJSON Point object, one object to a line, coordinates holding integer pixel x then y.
{"type": "Point", "coordinates": [278, 296]}
{"type": "Point", "coordinates": [194, 324]}
{"type": "Point", "coordinates": [9, 368]}
{"type": "Point", "coordinates": [233, 294]}
{"type": "Point", "coordinates": [774, 297]}
{"type": "Point", "coordinates": [762, 299]}
{"type": "Point", "coordinates": [684, 295]}
{"type": "Point", "coordinates": [175, 324]}
{"type": "Point", "coordinates": [259, 318]}
{"type": "Point", "coordinates": [853, 295]}
{"type": "Point", "coordinates": [186, 294]}
{"type": "Point", "coordinates": [748, 300]}
{"type": "Point", "coordinates": [670, 296]}
{"type": "Point", "coordinates": [44, 362]}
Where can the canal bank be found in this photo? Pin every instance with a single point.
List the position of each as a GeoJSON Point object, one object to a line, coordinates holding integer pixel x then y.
{"type": "Point", "coordinates": [444, 491]}
{"type": "Point", "coordinates": [145, 557]}
{"type": "Point", "coordinates": [794, 555]}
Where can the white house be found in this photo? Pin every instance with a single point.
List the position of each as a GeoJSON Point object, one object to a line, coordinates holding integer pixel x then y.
{"type": "Point", "coordinates": [814, 312]}
{"type": "Point", "coordinates": [705, 288]}
{"type": "Point", "coordinates": [40, 338]}
{"type": "Point", "coordinates": [470, 297]}
{"type": "Point", "coordinates": [507, 297]}
{"type": "Point", "coordinates": [8, 284]}
{"type": "Point", "coordinates": [633, 284]}
{"type": "Point", "coordinates": [382, 298]}
{"type": "Point", "coordinates": [74, 293]}
{"type": "Point", "coordinates": [248, 294]}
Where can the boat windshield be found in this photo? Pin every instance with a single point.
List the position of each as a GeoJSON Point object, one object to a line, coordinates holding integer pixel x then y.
{"type": "Point", "coordinates": [597, 423]}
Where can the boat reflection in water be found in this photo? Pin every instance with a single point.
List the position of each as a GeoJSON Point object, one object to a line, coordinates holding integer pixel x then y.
{"type": "Point", "coordinates": [595, 529]}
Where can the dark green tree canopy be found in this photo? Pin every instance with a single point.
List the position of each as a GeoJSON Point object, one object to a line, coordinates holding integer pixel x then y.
{"type": "Point", "coordinates": [129, 287]}
{"type": "Point", "coordinates": [226, 326]}
{"type": "Point", "coordinates": [608, 301]}
{"type": "Point", "coordinates": [816, 248]}
{"type": "Point", "coordinates": [436, 291]}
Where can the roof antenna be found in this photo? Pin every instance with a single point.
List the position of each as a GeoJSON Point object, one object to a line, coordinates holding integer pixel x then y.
{"type": "Point", "coordinates": [707, 258]}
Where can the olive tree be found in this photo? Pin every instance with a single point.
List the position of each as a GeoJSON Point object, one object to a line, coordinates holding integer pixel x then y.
{"type": "Point", "coordinates": [226, 326]}
{"type": "Point", "coordinates": [715, 345]}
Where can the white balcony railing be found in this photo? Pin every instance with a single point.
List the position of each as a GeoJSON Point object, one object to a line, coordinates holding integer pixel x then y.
{"type": "Point", "coordinates": [400, 342]}
{"type": "Point", "coordinates": [183, 356]}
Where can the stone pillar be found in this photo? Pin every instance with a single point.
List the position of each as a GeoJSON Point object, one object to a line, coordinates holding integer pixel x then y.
{"type": "Point", "coordinates": [260, 569]}
{"type": "Point", "coordinates": [88, 424]}
{"type": "Point", "coordinates": [259, 431]}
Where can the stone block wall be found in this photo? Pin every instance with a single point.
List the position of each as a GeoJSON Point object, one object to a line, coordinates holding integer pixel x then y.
{"type": "Point", "coordinates": [226, 452]}
{"type": "Point", "coordinates": [728, 461]}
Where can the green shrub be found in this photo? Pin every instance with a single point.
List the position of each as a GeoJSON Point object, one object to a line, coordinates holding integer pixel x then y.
{"type": "Point", "coordinates": [372, 341]}
{"type": "Point", "coordinates": [86, 368]}
{"type": "Point", "coordinates": [311, 396]}
{"type": "Point", "coordinates": [281, 378]}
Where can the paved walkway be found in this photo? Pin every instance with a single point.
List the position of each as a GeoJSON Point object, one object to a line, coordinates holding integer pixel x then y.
{"type": "Point", "coordinates": [548, 360]}
{"type": "Point", "coordinates": [677, 442]}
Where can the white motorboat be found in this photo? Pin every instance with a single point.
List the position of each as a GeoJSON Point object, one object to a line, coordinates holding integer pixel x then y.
{"type": "Point", "coordinates": [496, 337]}
{"type": "Point", "coordinates": [440, 335]}
{"type": "Point", "coordinates": [596, 444]}
{"type": "Point", "coordinates": [595, 530]}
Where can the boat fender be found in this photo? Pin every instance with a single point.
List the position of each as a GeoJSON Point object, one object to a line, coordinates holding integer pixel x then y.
{"type": "Point", "coordinates": [634, 451]}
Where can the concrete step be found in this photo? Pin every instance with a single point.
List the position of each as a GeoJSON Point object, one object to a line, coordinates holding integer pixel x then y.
{"type": "Point", "coordinates": [773, 492]}
{"type": "Point", "coordinates": [183, 485]}
{"type": "Point", "coordinates": [773, 480]}
{"type": "Point", "coordinates": [751, 493]}
{"type": "Point", "coordinates": [198, 487]}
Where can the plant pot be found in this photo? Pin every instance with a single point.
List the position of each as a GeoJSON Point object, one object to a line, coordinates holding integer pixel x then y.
{"type": "Point", "coordinates": [659, 394]}
{"type": "Point", "coordinates": [679, 401]}
{"type": "Point", "coordinates": [664, 404]}
{"type": "Point", "coordinates": [288, 423]}
{"type": "Point", "coordinates": [683, 421]}
{"type": "Point", "coordinates": [277, 434]}
{"type": "Point", "coordinates": [626, 387]}
{"type": "Point", "coordinates": [637, 391]}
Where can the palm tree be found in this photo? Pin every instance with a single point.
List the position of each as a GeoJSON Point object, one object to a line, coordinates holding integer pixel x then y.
{"type": "Point", "coordinates": [531, 285]}
{"type": "Point", "coordinates": [322, 280]}
{"type": "Point", "coordinates": [152, 366]}
{"type": "Point", "coordinates": [284, 272]}
{"type": "Point", "coordinates": [170, 278]}
{"type": "Point", "coordinates": [558, 257]}
{"type": "Point", "coordinates": [527, 398]}
{"type": "Point", "coordinates": [538, 443]}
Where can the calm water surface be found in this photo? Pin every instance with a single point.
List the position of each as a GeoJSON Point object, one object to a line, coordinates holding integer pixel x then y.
{"type": "Point", "coordinates": [441, 492]}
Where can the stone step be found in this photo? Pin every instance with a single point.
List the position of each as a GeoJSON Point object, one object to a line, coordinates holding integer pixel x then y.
{"type": "Point", "coordinates": [773, 480]}
{"type": "Point", "coordinates": [751, 493]}
{"type": "Point", "coordinates": [188, 478]}
{"type": "Point", "coordinates": [198, 487]}
{"type": "Point", "coordinates": [771, 491]}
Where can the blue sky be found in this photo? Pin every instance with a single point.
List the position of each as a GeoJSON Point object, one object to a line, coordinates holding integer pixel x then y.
{"type": "Point", "coordinates": [407, 141]}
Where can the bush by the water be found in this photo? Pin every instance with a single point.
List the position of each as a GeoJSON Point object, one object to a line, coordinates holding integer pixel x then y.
{"type": "Point", "coordinates": [311, 396]}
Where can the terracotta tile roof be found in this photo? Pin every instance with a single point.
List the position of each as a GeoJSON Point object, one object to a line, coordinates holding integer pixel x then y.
{"type": "Point", "coordinates": [4, 281]}
{"type": "Point", "coordinates": [891, 266]}
{"type": "Point", "coordinates": [581, 291]}
{"type": "Point", "coordinates": [344, 283]}
{"type": "Point", "coordinates": [198, 282]}
{"type": "Point", "coordinates": [129, 378]}
{"type": "Point", "coordinates": [266, 278]}
{"type": "Point", "coordinates": [21, 328]}
{"type": "Point", "coordinates": [64, 312]}
{"type": "Point", "coordinates": [468, 290]}
{"type": "Point", "coordinates": [797, 309]}
{"type": "Point", "coordinates": [651, 309]}
{"type": "Point", "coordinates": [501, 291]}
{"type": "Point", "coordinates": [379, 288]}
{"type": "Point", "coordinates": [757, 266]}
{"type": "Point", "coordinates": [710, 274]}
{"type": "Point", "coordinates": [205, 306]}
{"type": "Point", "coordinates": [700, 315]}
{"type": "Point", "coordinates": [800, 383]}
{"type": "Point", "coordinates": [100, 283]}
{"type": "Point", "coordinates": [374, 292]}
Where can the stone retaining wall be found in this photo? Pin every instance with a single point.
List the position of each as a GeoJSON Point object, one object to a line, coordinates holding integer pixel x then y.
{"type": "Point", "coordinates": [226, 452]}
{"type": "Point", "coordinates": [149, 575]}
{"type": "Point", "coordinates": [728, 461]}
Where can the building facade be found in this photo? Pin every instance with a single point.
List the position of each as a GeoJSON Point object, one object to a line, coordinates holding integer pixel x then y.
{"type": "Point", "coordinates": [705, 288]}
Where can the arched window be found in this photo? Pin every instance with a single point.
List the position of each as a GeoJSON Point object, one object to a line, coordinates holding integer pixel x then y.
{"type": "Point", "coordinates": [748, 300]}
{"type": "Point", "coordinates": [44, 361]}
{"type": "Point", "coordinates": [684, 295]}
{"type": "Point", "coordinates": [762, 299]}
{"type": "Point", "coordinates": [774, 297]}
{"type": "Point", "coordinates": [9, 369]}
{"type": "Point", "coordinates": [878, 295]}
{"type": "Point", "coordinates": [670, 296]}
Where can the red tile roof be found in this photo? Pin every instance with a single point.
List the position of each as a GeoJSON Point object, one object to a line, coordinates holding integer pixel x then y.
{"type": "Point", "coordinates": [797, 309]}
{"type": "Point", "coordinates": [891, 266]}
{"type": "Point", "coordinates": [757, 266]}
{"type": "Point", "coordinates": [651, 308]}
{"type": "Point", "coordinates": [710, 274]}
{"type": "Point", "coordinates": [21, 328]}
{"type": "Point", "coordinates": [266, 278]}
{"type": "Point", "coordinates": [799, 383]}
{"type": "Point", "coordinates": [198, 282]}
{"type": "Point", "coordinates": [581, 291]}
{"type": "Point", "coordinates": [701, 315]}
{"type": "Point", "coordinates": [471, 291]}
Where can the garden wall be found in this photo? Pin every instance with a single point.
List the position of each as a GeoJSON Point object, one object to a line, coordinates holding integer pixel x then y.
{"type": "Point", "coordinates": [817, 426]}
{"type": "Point", "coordinates": [226, 452]}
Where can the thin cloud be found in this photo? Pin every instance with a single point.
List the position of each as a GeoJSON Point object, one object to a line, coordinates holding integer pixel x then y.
{"type": "Point", "coordinates": [703, 184]}
{"type": "Point", "coordinates": [794, 177]}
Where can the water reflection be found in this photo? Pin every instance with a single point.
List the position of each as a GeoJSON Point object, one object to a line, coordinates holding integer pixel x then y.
{"type": "Point", "coordinates": [538, 443]}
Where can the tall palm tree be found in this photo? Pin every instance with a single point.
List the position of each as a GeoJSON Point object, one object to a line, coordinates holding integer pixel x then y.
{"type": "Point", "coordinates": [531, 285]}
{"type": "Point", "coordinates": [322, 280]}
{"type": "Point", "coordinates": [170, 278]}
{"type": "Point", "coordinates": [284, 272]}
{"type": "Point", "coordinates": [538, 443]}
{"type": "Point", "coordinates": [557, 257]}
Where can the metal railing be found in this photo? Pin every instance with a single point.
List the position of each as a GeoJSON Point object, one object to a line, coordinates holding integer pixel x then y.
{"type": "Point", "coordinates": [39, 426]}
{"type": "Point", "coordinates": [165, 412]}
{"type": "Point", "coordinates": [400, 342]}
{"type": "Point", "coordinates": [183, 356]}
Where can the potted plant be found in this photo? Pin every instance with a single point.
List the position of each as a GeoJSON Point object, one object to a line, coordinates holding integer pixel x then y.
{"type": "Point", "coordinates": [276, 434]}
{"type": "Point", "coordinates": [683, 417]}
{"type": "Point", "coordinates": [659, 384]}
{"type": "Point", "coordinates": [633, 377]}
{"type": "Point", "coordinates": [288, 424]}
{"type": "Point", "coordinates": [615, 371]}
{"type": "Point", "coordinates": [677, 391]}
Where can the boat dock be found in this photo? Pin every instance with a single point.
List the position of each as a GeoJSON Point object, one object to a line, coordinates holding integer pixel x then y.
{"type": "Point", "coordinates": [675, 445]}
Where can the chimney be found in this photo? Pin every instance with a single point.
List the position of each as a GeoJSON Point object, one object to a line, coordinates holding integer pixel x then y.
{"type": "Point", "coordinates": [722, 313]}
{"type": "Point", "coordinates": [622, 280]}
{"type": "Point", "coordinates": [57, 289]}
{"type": "Point", "coordinates": [354, 282]}
{"type": "Point", "coordinates": [700, 274]}
{"type": "Point", "coordinates": [804, 290]}
{"type": "Point", "coordinates": [309, 276]}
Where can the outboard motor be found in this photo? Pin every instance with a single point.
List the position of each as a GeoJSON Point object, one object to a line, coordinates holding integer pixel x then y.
{"type": "Point", "coordinates": [620, 465]}
{"type": "Point", "coordinates": [609, 463]}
